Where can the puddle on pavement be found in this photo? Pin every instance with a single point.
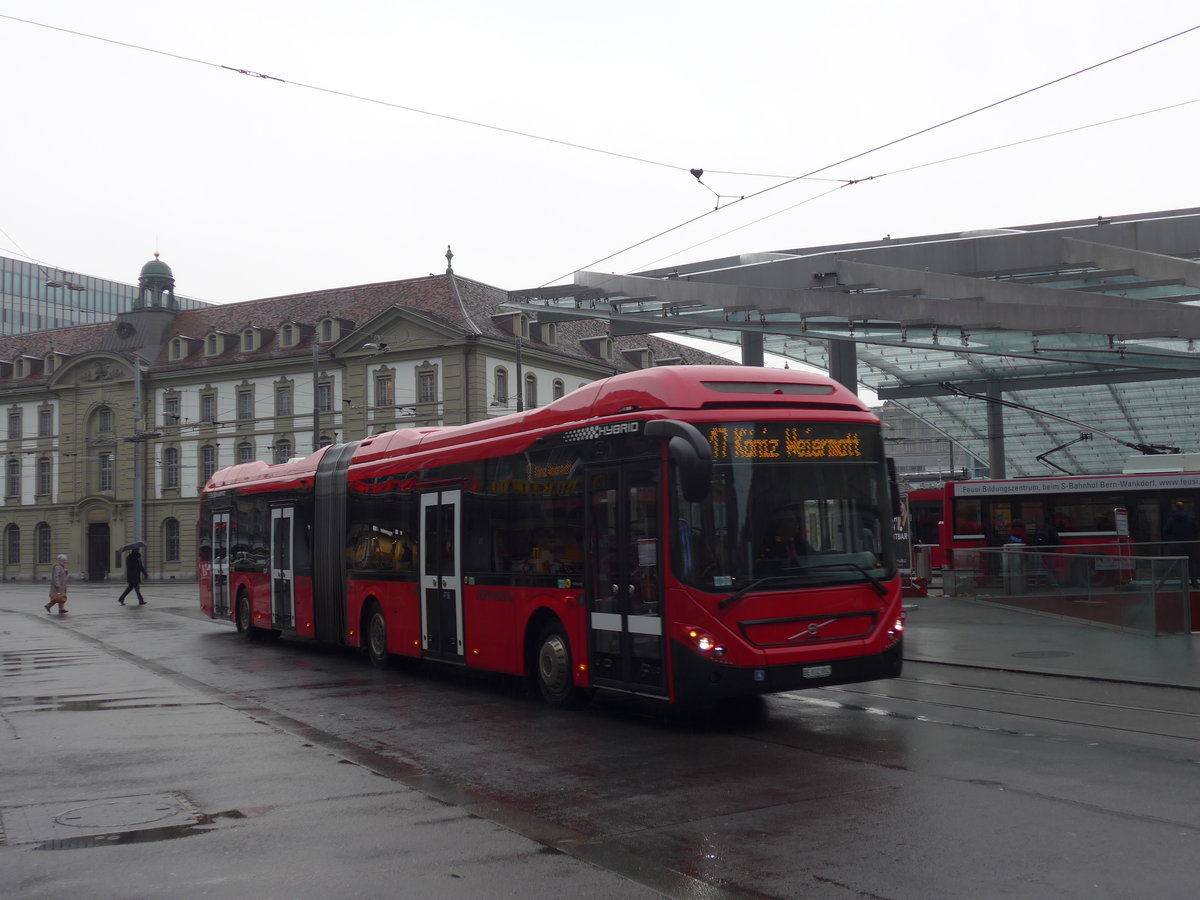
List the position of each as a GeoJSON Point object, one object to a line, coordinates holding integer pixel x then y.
{"type": "Point", "coordinates": [122, 820]}
{"type": "Point", "coordinates": [90, 703]}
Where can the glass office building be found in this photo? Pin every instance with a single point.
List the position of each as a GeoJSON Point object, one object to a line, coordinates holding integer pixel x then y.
{"type": "Point", "coordinates": [35, 297]}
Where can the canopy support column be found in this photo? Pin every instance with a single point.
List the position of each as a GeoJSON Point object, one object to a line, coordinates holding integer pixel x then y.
{"type": "Point", "coordinates": [843, 364]}
{"type": "Point", "coordinates": [752, 348]}
{"type": "Point", "coordinates": [995, 432]}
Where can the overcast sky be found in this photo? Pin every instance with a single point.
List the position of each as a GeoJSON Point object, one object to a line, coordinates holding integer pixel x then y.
{"type": "Point", "coordinates": [252, 187]}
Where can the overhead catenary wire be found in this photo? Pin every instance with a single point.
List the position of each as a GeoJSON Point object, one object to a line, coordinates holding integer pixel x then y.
{"type": "Point", "coordinates": [925, 165]}
{"type": "Point", "coordinates": [734, 199]}
{"type": "Point", "coordinates": [350, 95]}
{"type": "Point", "coordinates": [883, 146]}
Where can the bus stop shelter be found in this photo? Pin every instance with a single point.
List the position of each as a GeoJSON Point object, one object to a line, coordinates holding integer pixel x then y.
{"type": "Point", "coordinates": [1093, 323]}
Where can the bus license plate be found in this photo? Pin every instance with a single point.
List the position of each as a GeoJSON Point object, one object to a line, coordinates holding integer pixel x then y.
{"type": "Point", "coordinates": [817, 671]}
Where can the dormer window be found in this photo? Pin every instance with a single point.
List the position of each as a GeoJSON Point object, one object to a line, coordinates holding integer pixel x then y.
{"type": "Point", "coordinates": [212, 345]}
{"type": "Point", "coordinates": [287, 334]}
{"type": "Point", "coordinates": [21, 368]}
{"type": "Point", "coordinates": [50, 363]}
{"type": "Point", "coordinates": [328, 330]}
{"type": "Point", "coordinates": [178, 348]}
{"type": "Point", "coordinates": [601, 346]}
{"type": "Point", "coordinates": [250, 340]}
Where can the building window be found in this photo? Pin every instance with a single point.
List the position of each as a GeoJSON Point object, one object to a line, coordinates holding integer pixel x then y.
{"type": "Point", "coordinates": [45, 422]}
{"type": "Point", "coordinates": [426, 387]}
{"type": "Point", "coordinates": [42, 542]}
{"type": "Point", "coordinates": [247, 340]}
{"type": "Point", "coordinates": [106, 471]}
{"type": "Point", "coordinates": [245, 404]}
{"type": "Point", "coordinates": [289, 335]}
{"type": "Point", "coordinates": [12, 483]}
{"type": "Point", "coordinates": [14, 424]}
{"type": "Point", "coordinates": [245, 452]}
{"type": "Point", "coordinates": [171, 468]}
{"type": "Point", "coordinates": [212, 345]}
{"type": "Point", "coordinates": [283, 450]}
{"type": "Point", "coordinates": [171, 411]}
{"type": "Point", "coordinates": [13, 544]}
{"type": "Point", "coordinates": [325, 397]}
{"type": "Point", "coordinates": [385, 390]}
{"type": "Point", "coordinates": [559, 389]}
{"type": "Point", "coordinates": [171, 540]}
{"type": "Point", "coordinates": [326, 329]}
{"type": "Point", "coordinates": [530, 391]}
{"type": "Point", "coordinates": [208, 462]}
{"type": "Point", "coordinates": [104, 420]}
{"type": "Point", "coordinates": [500, 395]}
{"type": "Point", "coordinates": [208, 408]}
{"type": "Point", "coordinates": [43, 476]}
{"type": "Point", "coordinates": [177, 348]}
{"type": "Point", "coordinates": [283, 400]}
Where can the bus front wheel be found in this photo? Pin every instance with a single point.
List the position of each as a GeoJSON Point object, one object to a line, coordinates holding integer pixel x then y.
{"type": "Point", "coordinates": [554, 669]}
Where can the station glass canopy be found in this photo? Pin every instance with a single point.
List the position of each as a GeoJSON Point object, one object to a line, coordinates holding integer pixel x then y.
{"type": "Point", "coordinates": [1095, 324]}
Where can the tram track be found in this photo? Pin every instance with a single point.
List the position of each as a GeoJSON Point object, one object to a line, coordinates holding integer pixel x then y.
{"type": "Point", "coordinates": [1151, 712]}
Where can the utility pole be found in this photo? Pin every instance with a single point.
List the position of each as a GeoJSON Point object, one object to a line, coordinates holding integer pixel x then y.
{"type": "Point", "coordinates": [316, 443]}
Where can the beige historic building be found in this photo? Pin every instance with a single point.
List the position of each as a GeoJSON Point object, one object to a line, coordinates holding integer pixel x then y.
{"type": "Point", "coordinates": [111, 429]}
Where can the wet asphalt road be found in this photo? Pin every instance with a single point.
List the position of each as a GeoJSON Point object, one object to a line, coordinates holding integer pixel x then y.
{"type": "Point", "coordinates": [948, 782]}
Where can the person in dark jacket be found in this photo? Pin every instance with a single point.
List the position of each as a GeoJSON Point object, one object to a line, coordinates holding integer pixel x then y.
{"type": "Point", "coordinates": [134, 570]}
{"type": "Point", "coordinates": [1181, 532]}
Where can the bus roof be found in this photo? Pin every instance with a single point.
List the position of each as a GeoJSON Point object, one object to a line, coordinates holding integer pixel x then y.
{"type": "Point", "coordinates": [647, 390]}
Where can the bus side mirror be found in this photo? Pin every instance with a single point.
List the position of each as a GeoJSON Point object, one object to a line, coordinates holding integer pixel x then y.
{"type": "Point", "coordinates": [691, 454]}
{"type": "Point", "coordinates": [894, 486]}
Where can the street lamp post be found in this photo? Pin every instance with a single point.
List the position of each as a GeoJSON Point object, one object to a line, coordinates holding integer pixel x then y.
{"type": "Point", "coordinates": [520, 378]}
{"type": "Point", "coordinates": [316, 361]}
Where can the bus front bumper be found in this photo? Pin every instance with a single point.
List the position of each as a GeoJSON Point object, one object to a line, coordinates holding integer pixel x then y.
{"type": "Point", "coordinates": [700, 678]}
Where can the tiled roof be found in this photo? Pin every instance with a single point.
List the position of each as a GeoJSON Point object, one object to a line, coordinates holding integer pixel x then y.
{"type": "Point", "coordinates": [469, 310]}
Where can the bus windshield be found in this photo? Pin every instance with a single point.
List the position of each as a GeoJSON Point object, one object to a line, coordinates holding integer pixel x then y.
{"type": "Point", "coordinates": [791, 505]}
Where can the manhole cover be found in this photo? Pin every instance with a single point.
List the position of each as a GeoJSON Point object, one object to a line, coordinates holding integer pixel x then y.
{"type": "Point", "coordinates": [1043, 654]}
{"type": "Point", "coordinates": [111, 816]}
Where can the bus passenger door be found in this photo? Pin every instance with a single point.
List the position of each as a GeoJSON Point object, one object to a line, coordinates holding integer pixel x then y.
{"type": "Point", "coordinates": [626, 637]}
{"type": "Point", "coordinates": [220, 565]}
{"type": "Point", "coordinates": [441, 581]}
{"type": "Point", "coordinates": [283, 591]}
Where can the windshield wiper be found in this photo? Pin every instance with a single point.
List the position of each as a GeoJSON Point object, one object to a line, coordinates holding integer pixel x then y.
{"type": "Point", "coordinates": [797, 570]}
{"type": "Point", "coordinates": [758, 582]}
{"type": "Point", "coordinates": [876, 583]}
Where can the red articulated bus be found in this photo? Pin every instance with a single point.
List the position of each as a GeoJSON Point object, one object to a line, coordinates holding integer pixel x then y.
{"type": "Point", "coordinates": [690, 533]}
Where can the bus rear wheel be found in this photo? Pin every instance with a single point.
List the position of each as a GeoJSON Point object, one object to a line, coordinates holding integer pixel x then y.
{"type": "Point", "coordinates": [554, 669]}
{"type": "Point", "coordinates": [375, 639]}
{"type": "Point", "coordinates": [244, 619]}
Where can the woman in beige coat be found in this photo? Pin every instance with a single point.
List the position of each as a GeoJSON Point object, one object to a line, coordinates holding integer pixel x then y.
{"type": "Point", "coordinates": [58, 585]}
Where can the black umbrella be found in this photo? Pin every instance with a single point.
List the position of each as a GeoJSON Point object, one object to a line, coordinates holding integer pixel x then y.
{"type": "Point", "coordinates": [131, 545]}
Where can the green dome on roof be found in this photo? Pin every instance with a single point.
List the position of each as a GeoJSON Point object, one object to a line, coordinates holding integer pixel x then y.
{"type": "Point", "coordinates": [156, 268]}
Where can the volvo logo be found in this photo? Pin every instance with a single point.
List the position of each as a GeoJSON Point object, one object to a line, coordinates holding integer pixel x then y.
{"type": "Point", "coordinates": [813, 630]}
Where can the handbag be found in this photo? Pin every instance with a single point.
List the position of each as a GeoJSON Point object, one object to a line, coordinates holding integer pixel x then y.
{"type": "Point", "coordinates": [58, 597]}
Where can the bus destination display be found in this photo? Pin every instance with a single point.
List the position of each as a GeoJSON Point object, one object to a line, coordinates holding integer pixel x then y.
{"type": "Point", "coordinates": [780, 440]}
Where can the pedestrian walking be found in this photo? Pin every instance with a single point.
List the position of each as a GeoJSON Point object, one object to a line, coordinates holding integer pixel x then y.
{"type": "Point", "coordinates": [1181, 532]}
{"type": "Point", "coordinates": [134, 570]}
{"type": "Point", "coordinates": [58, 585]}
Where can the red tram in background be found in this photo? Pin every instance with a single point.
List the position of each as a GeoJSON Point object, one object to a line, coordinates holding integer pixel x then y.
{"type": "Point", "coordinates": [1093, 511]}
{"type": "Point", "coordinates": [926, 512]}
{"type": "Point", "coordinates": [683, 533]}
